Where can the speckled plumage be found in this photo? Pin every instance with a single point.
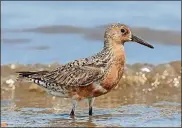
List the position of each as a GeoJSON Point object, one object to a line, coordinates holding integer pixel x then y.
{"type": "Point", "coordinates": [89, 77]}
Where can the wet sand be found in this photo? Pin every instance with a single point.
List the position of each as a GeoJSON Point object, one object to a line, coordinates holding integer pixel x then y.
{"type": "Point", "coordinates": [147, 95]}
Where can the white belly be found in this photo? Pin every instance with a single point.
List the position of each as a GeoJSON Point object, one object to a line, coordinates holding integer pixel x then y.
{"type": "Point", "coordinates": [60, 94]}
{"type": "Point", "coordinates": [97, 86]}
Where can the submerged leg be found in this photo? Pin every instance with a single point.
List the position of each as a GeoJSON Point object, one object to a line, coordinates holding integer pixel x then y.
{"type": "Point", "coordinates": [90, 101]}
{"type": "Point", "coordinates": [72, 113]}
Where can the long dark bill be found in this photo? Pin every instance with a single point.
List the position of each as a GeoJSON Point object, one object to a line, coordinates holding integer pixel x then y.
{"type": "Point", "coordinates": [140, 41]}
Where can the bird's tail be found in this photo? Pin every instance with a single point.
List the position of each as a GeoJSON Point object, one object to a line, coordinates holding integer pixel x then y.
{"type": "Point", "coordinates": [30, 75]}
{"type": "Point", "coordinates": [35, 77]}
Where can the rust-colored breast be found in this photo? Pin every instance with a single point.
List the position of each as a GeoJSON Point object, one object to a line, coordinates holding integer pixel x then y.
{"type": "Point", "coordinates": [95, 90]}
{"type": "Point", "coordinates": [112, 78]}
{"type": "Point", "coordinates": [116, 69]}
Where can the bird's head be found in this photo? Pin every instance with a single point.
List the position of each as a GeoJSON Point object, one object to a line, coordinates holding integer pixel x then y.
{"type": "Point", "coordinates": [120, 33]}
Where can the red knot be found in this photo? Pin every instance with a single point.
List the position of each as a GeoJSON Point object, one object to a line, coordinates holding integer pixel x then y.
{"type": "Point", "coordinates": [90, 77]}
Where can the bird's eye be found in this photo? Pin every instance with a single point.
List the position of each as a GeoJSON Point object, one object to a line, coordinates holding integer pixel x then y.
{"type": "Point", "coordinates": [122, 30]}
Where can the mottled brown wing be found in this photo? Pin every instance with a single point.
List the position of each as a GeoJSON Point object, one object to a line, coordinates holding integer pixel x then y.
{"type": "Point", "coordinates": [74, 76]}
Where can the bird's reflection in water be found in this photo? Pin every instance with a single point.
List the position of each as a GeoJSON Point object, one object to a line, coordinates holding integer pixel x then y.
{"type": "Point", "coordinates": [65, 120]}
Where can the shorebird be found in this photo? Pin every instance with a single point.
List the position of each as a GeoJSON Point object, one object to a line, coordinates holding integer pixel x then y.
{"type": "Point", "coordinates": [90, 77]}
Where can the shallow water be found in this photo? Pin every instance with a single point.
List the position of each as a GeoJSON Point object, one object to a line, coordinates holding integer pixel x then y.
{"type": "Point", "coordinates": [20, 107]}
{"type": "Point", "coordinates": [146, 101]}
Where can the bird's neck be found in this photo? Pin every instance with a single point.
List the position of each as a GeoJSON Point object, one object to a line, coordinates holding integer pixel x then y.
{"type": "Point", "coordinates": [110, 44]}
{"type": "Point", "coordinates": [117, 51]}
{"type": "Point", "coordinates": [111, 53]}
{"type": "Point", "coordinates": [113, 46]}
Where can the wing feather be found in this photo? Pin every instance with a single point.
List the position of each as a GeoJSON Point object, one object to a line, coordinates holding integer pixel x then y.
{"type": "Point", "coordinates": [74, 76]}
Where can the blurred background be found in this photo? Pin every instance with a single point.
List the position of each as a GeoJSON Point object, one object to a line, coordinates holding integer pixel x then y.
{"type": "Point", "coordinates": [42, 35]}
{"type": "Point", "coordinates": [46, 32]}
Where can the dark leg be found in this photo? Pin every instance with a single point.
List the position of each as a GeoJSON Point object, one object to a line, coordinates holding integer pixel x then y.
{"type": "Point", "coordinates": [90, 101]}
{"type": "Point", "coordinates": [72, 113]}
{"type": "Point", "coordinates": [90, 111]}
